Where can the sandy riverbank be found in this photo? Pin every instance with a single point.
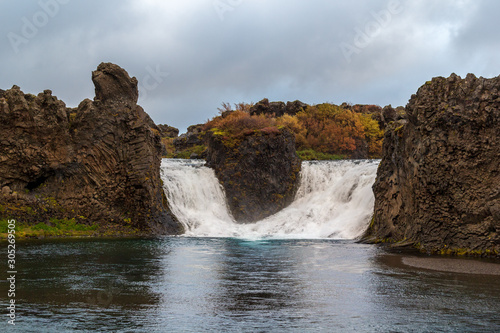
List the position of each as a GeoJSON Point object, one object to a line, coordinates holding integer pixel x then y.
{"type": "Point", "coordinates": [466, 266]}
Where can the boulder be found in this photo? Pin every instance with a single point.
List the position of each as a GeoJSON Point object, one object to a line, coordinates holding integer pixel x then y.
{"type": "Point", "coordinates": [193, 137]}
{"type": "Point", "coordinates": [374, 111]}
{"type": "Point", "coordinates": [113, 85]}
{"type": "Point", "coordinates": [389, 114]}
{"type": "Point", "coordinates": [168, 131]}
{"type": "Point", "coordinates": [292, 108]}
{"type": "Point", "coordinates": [98, 163]}
{"type": "Point", "coordinates": [259, 171]}
{"type": "Point", "coordinates": [437, 185]}
{"type": "Point", "coordinates": [277, 109]}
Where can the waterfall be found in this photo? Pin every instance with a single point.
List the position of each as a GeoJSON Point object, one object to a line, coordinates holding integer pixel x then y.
{"type": "Point", "coordinates": [334, 200]}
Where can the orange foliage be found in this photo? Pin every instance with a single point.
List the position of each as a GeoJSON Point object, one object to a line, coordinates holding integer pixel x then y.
{"type": "Point", "coordinates": [238, 122]}
{"type": "Point", "coordinates": [297, 127]}
{"type": "Point", "coordinates": [326, 128]}
{"type": "Point", "coordinates": [331, 129]}
{"type": "Point", "coordinates": [373, 134]}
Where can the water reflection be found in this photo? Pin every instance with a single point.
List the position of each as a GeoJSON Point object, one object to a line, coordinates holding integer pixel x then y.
{"type": "Point", "coordinates": [96, 283]}
{"type": "Point", "coordinates": [201, 284]}
{"type": "Point", "coordinates": [429, 299]}
{"type": "Point", "coordinates": [258, 276]}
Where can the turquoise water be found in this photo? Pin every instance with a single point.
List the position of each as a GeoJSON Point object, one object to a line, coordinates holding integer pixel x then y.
{"type": "Point", "coordinates": [179, 284]}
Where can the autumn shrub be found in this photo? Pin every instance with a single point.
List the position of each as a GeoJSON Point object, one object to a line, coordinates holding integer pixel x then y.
{"type": "Point", "coordinates": [239, 122]}
{"type": "Point", "coordinates": [323, 131]}
{"type": "Point", "coordinates": [373, 134]}
{"type": "Point", "coordinates": [169, 145]}
{"type": "Point", "coordinates": [331, 129]}
{"type": "Point", "coordinates": [296, 127]}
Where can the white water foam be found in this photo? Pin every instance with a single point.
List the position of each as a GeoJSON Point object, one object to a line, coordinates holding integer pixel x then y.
{"type": "Point", "coordinates": [334, 200]}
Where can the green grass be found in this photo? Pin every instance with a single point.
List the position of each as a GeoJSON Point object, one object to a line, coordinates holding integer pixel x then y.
{"type": "Point", "coordinates": [55, 227]}
{"type": "Point", "coordinates": [187, 153]}
{"type": "Point", "coordinates": [310, 154]}
{"type": "Point", "coordinates": [4, 226]}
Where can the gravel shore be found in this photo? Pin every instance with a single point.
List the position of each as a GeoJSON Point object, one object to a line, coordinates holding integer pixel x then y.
{"type": "Point", "coordinates": [453, 265]}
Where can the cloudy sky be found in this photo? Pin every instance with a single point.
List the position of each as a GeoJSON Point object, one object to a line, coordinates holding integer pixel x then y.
{"type": "Point", "coordinates": [191, 55]}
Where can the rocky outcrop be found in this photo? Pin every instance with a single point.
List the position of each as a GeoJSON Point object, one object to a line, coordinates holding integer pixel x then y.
{"type": "Point", "coordinates": [383, 116]}
{"type": "Point", "coordinates": [277, 109]}
{"type": "Point", "coordinates": [389, 114]}
{"type": "Point", "coordinates": [259, 171]}
{"type": "Point", "coordinates": [438, 184]}
{"type": "Point", "coordinates": [292, 108]}
{"type": "Point", "coordinates": [167, 131]}
{"type": "Point", "coordinates": [99, 162]}
{"type": "Point", "coordinates": [193, 137]}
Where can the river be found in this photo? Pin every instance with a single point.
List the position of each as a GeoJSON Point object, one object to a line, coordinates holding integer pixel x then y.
{"type": "Point", "coordinates": [187, 284]}
{"type": "Point", "coordinates": [297, 271]}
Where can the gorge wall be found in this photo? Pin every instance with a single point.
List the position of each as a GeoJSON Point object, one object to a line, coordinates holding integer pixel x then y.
{"type": "Point", "coordinates": [438, 184]}
{"type": "Point", "coordinates": [259, 171]}
{"type": "Point", "coordinates": [99, 162]}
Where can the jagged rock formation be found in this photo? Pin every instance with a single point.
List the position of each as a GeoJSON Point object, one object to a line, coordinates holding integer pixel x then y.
{"type": "Point", "coordinates": [167, 131]}
{"type": "Point", "coordinates": [438, 184]}
{"type": "Point", "coordinates": [374, 111]}
{"type": "Point", "coordinates": [259, 171]}
{"type": "Point", "coordinates": [167, 134]}
{"type": "Point", "coordinates": [383, 116]}
{"type": "Point", "coordinates": [193, 137]}
{"type": "Point", "coordinates": [277, 109]}
{"type": "Point", "coordinates": [389, 114]}
{"type": "Point", "coordinates": [192, 143]}
{"type": "Point", "coordinates": [99, 162]}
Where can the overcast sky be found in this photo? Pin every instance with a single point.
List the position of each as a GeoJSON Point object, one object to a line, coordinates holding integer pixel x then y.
{"type": "Point", "coordinates": [191, 55]}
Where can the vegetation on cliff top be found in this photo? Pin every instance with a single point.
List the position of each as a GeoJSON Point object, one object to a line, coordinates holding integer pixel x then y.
{"type": "Point", "coordinates": [324, 131]}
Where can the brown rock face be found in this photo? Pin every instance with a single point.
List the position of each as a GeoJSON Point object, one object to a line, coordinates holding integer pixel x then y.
{"type": "Point", "coordinates": [113, 85]}
{"type": "Point", "coordinates": [193, 137]}
{"type": "Point", "coordinates": [277, 109]}
{"type": "Point", "coordinates": [258, 172]}
{"type": "Point", "coordinates": [438, 184]}
{"type": "Point", "coordinates": [99, 162]}
{"type": "Point", "coordinates": [168, 131]}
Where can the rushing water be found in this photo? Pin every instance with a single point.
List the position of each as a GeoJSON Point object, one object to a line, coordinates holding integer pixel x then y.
{"type": "Point", "coordinates": [296, 271]}
{"type": "Point", "coordinates": [334, 200]}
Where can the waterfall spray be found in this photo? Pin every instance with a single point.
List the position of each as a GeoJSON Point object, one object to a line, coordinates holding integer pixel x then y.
{"type": "Point", "coordinates": [334, 200]}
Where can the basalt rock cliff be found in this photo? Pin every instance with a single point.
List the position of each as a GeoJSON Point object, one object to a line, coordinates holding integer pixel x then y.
{"type": "Point", "coordinates": [277, 109]}
{"type": "Point", "coordinates": [99, 162]}
{"type": "Point", "coordinates": [438, 184]}
{"type": "Point", "coordinates": [259, 171]}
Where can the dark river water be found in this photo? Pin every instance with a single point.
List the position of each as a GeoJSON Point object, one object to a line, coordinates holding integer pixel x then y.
{"type": "Point", "coordinates": [179, 284]}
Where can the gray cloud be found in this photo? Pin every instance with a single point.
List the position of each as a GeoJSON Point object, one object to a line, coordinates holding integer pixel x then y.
{"type": "Point", "coordinates": [283, 50]}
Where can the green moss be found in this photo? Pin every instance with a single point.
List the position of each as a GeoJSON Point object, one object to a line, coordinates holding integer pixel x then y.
{"type": "Point", "coordinates": [462, 252]}
{"type": "Point", "coordinates": [54, 227]}
{"type": "Point", "coordinates": [186, 154]}
{"type": "Point", "coordinates": [218, 132]}
{"type": "Point", "coordinates": [68, 228]}
{"type": "Point", "coordinates": [72, 117]}
{"type": "Point", "coordinates": [310, 154]}
{"type": "Point", "coordinates": [398, 129]}
{"type": "Point", "coordinates": [469, 252]}
{"type": "Point", "coordinates": [4, 226]}
{"type": "Point", "coordinates": [372, 223]}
